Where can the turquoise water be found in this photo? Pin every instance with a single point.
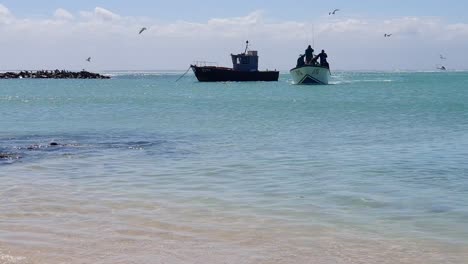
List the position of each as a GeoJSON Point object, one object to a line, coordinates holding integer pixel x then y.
{"type": "Point", "coordinates": [378, 155]}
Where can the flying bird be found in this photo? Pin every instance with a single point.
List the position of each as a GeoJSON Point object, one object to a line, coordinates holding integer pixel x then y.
{"type": "Point", "coordinates": [442, 57]}
{"type": "Point", "coordinates": [387, 35]}
{"type": "Point", "coordinates": [88, 59]}
{"type": "Point", "coordinates": [142, 30]}
{"type": "Point", "coordinates": [333, 13]}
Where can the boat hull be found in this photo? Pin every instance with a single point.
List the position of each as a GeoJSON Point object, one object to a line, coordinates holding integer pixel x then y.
{"type": "Point", "coordinates": [219, 74]}
{"type": "Point", "coordinates": [311, 75]}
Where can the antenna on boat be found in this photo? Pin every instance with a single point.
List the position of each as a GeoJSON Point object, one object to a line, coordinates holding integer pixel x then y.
{"type": "Point", "coordinates": [246, 46]}
{"type": "Point", "coordinates": [313, 36]}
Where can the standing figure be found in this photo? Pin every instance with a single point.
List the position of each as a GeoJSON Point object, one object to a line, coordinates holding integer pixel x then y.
{"type": "Point", "coordinates": [323, 59]}
{"type": "Point", "coordinates": [309, 54]}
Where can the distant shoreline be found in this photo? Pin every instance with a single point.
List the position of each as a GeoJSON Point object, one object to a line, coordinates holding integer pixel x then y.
{"type": "Point", "coordinates": [55, 74]}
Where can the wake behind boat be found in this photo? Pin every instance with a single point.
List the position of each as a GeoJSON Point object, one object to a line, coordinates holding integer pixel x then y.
{"type": "Point", "coordinates": [245, 69]}
{"type": "Point", "coordinates": [310, 72]}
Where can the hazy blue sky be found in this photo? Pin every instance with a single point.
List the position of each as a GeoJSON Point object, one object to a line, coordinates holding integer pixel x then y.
{"type": "Point", "coordinates": [39, 34]}
{"type": "Point", "coordinates": [452, 10]}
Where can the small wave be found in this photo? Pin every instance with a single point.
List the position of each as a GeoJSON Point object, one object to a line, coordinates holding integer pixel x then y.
{"type": "Point", "coordinates": [361, 81]}
{"type": "Point", "coordinates": [8, 158]}
{"type": "Point", "coordinates": [430, 71]}
{"type": "Point", "coordinates": [140, 145]}
{"type": "Point", "coordinates": [143, 73]}
{"type": "Point", "coordinates": [8, 259]}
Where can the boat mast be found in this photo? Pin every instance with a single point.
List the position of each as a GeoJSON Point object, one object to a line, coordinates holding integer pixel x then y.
{"type": "Point", "coordinates": [313, 36]}
{"type": "Point", "coordinates": [246, 46]}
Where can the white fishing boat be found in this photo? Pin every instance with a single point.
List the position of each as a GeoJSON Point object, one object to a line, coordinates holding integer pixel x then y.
{"type": "Point", "coordinates": [311, 75]}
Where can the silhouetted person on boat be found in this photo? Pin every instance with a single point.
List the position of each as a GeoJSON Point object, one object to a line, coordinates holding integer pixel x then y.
{"type": "Point", "coordinates": [323, 59]}
{"type": "Point", "coordinates": [314, 61]}
{"type": "Point", "coordinates": [300, 61]}
{"type": "Point", "coordinates": [309, 54]}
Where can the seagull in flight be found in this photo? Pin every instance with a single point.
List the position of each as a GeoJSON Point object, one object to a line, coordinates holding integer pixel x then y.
{"type": "Point", "coordinates": [442, 57]}
{"type": "Point", "coordinates": [142, 30]}
{"type": "Point", "coordinates": [333, 13]}
{"type": "Point", "coordinates": [88, 59]}
{"type": "Point", "coordinates": [387, 35]}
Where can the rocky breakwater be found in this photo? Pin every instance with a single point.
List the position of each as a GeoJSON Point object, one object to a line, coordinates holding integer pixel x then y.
{"type": "Point", "coordinates": [52, 75]}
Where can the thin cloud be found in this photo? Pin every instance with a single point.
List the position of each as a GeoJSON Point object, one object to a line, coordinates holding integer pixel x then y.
{"type": "Point", "coordinates": [4, 11]}
{"type": "Point", "coordinates": [100, 13]}
{"type": "Point", "coordinates": [63, 14]}
{"type": "Point", "coordinates": [5, 15]}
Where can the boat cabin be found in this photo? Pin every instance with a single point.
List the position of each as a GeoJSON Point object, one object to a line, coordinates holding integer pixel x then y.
{"type": "Point", "coordinates": [247, 61]}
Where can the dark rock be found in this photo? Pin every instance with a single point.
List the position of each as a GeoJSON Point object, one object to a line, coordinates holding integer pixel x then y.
{"type": "Point", "coordinates": [54, 144]}
{"type": "Point", "coordinates": [57, 74]}
{"type": "Point", "coordinates": [6, 156]}
{"type": "Point", "coordinates": [34, 147]}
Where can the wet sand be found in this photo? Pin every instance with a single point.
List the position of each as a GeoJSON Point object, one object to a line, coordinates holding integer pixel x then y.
{"type": "Point", "coordinates": [47, 227]}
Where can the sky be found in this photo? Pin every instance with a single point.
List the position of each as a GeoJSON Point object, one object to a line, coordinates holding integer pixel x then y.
{"type": "Point", "coordinates": [62, 34]}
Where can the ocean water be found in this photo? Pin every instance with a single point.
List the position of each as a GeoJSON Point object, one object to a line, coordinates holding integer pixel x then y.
{"type": "Point", "coordinates": [370, 169]}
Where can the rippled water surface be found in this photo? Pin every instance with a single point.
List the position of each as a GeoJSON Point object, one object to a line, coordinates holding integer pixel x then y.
{"type": "Point", "coordinates": [141, 169]}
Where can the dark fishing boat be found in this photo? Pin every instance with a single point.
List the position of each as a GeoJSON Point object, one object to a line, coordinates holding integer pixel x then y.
{"type": "Point", "coordinates": [245, 69]}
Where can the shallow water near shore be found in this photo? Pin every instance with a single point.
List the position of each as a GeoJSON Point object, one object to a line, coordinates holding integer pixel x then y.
{"type": "Point", "coordinates": [371, 169]}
